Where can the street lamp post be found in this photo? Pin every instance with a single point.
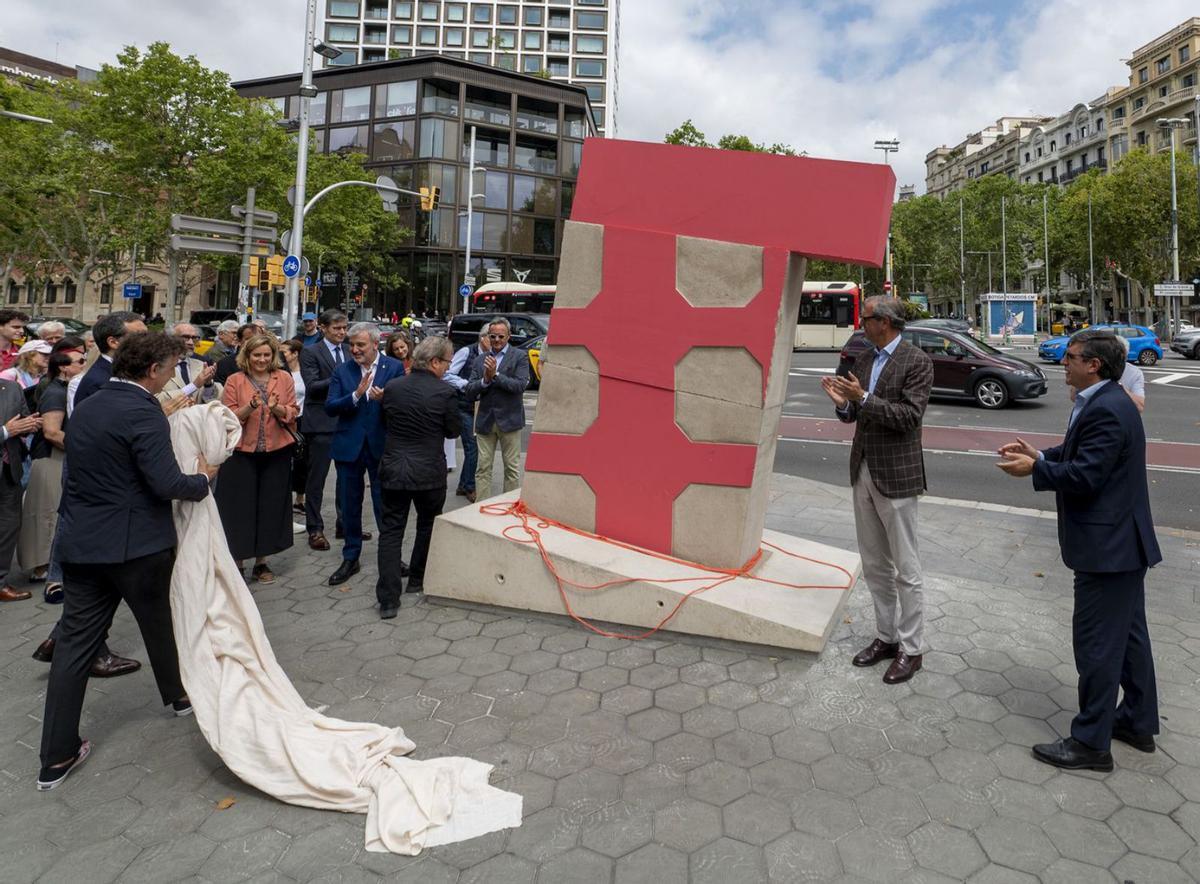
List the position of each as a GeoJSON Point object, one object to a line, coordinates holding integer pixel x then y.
{"type": "Point", "coordinates": [888, 146]}
{"type": "Point", "coordinates": [1171, 124]}
{"type": "Point", "coordinates": [470, 211]}
{"type": "Point", "coordinates": [962, 262]}
{"type": "Point", "coordinates": [1091, 263]}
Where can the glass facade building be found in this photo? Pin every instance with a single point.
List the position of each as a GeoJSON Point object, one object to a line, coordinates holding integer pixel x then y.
{"type": "Point", "coordinates": [412, 120]}
{"type": "Point", "coordinates": [572, 40]}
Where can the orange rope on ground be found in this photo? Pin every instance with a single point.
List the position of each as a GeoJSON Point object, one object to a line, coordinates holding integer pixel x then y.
{"type": "Point", "coordinates": [533, 525]}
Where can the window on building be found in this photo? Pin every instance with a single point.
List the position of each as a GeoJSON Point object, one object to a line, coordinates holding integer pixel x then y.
{"type": "Point", "coordinates": [568, 198]}
{"type": "Point", "coordinates": [536, 196]}
{"type": "Point", "coordinates": [480, 57]}
{"type": "Point", "coordinates": [534, 16]}
{"type": "Point", "coordinates": [1100, 155]}
{"type": "Point", "coordinates": [506, 62]}
{"type": "Point", "coordinates": [1066, 138]}
{"type": "Point", "coordinates": [29, 290]}
{"type": "Point", "coordinates": [589, 67]}
{"type": "Point", "coordinates": [402, 9]}
{"type": "Point", "coordinates": [506, 15]}
{"type": "Point", "coordinates": [456, 12]}
{"type": "Point", "coordinates": [1070, 165]}
{"type": "Point", "coordinates": [350, 105]}
{"type": "Point", "coordinates": [589, 43]}
{"type": "Point", "coordinates": [343, 8]}
{"type": "Point", "coordinates": [506, 39]}
{"type": "Point", "coordinates": [1039, 151]}
{"type": "Point", "coordinates": [592, 21]}
{"type": "Point", "coordinates": [1119, 112]}
{"type": "Point", "coordinates": [402, 34]}
{"type": "Point", "coordinates": [531, 64]}
{"type": "Point", "coordinates": [1185, 52]}
{"type": "Point", "coordinates": [537, 116]}
{"type": "Point", "coordinates": [984, 166]}
{"type": "Point", "coordinates": [536, 155]}
{"type": "Point", "coordinates": [595, 92]}
{"type": "Point", "coordinates": [347, 140]}
{"type": "Point", "coordinates": [481, 15]}
{"type": "Point", "coordinates": [1188, 81]}
{"type": "Point", "coordinates": [440, 99]}
{"type": "Point", "coordinates": [560, 19]}
{"type": "Point", "coordinates": [574, 123]}
{"type": "Point", "coordinates": [488, 106]}
{"type": "Point", "coordinates": [1162, 65]}
{"type": "Point", "coordinates": [1141, 138]}
{"type": "Point", "coordinates": [69, 292]}
{"type": "Point", "coordinates": [491, 148]}
{"type": "Point", "coordinates": [571, 157]}
{"type": "Point", "coordinates": [1099, 124]}
{"type": "Point", "coordinates": [427, 36]}
{"type": "Point", "coordinates": [1139, 102]}
{"type": "Point", "coordinates": [558, 67]}
{"type": "Point", "coordinates": [533, 40]}
{"type": "Point", "coordinates": [394, 142]}
{"type": "Point", "coordinates": [106, 290]}
{"type": "Point", "coordinates": [439, 139]}
{"type": "Point", "coordinates": [1143, 74]}
{"type": "Point", "coordinates": [481, 40]}
{"type": "Point", "coordinates": [1163, 90]}
{"type": "Point", "coordinates": [396, 99]}
{"type": "Point", "coordinates": [1027, 156]}
{"type": "Point", "coordinates": [341, 33]}
{"type": "Point", "coordinates": [592, 2]}
{"type": "Point", "coordinates": [1053, 146]}
{"type": "Point", "coordinates": [430, 11]}
{"type": "Point", "coordinates": [51, 294]}
{"type": "Point", "coordinates": [455, 37]}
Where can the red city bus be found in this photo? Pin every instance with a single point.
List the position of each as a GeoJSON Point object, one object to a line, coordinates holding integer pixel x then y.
{"type": "Point", "coordinates": [512, 297]}
{"type": "Point", "coordinates": [829, 314]}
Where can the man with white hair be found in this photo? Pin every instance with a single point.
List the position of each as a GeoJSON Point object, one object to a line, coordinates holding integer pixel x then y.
{"type": "Point", "coordinates": [193, 377]}
{"type": "Point", "coordinates": [355, 391]}
{"type": "Point", "coordinates": [227, 340]}
{"type": "Point", "coordinates": [52, 332]}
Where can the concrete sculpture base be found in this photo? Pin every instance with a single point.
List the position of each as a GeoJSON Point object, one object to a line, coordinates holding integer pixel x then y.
{"type": "Point", "coordinates": [470, 560]}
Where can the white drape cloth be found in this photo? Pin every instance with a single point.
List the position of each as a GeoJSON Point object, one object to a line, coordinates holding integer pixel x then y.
{"type": "Point", "coordinates": [261, 727]}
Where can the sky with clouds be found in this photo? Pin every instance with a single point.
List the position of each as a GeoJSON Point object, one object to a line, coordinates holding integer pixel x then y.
{"type": "Point", "coordinates": [826, 76]}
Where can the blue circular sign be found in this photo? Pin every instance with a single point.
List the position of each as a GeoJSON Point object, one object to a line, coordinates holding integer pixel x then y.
{"type": "Point", "coordinates": [465, 290]}
{"type": "Point", "coordinates": [291, 266]}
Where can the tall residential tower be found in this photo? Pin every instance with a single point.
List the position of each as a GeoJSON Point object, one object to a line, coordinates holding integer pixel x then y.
{"type": "Point", "coordinates": [572, 40]}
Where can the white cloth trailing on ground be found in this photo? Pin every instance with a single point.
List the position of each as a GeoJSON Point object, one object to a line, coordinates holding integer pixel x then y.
{"type": "Point", "coordinates": [261, 727]}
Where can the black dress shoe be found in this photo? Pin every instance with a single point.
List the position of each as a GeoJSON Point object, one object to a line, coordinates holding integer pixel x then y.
{"type": "Point", "coordinates": [111, 666]}
{"type": "Point", "coordinates": [44, 653]}
{"type": "Point", "coordinates": [875, 652]}
{"type": "Point", "coordinates": [388, 612]}
{"type": "Point", "coordinates": [347, 569]}
{"type": "Point", "coordinates": [1071, 754]}
{"type": "Point", "coordinates": [1141, 742]}
{"type": "Point", "coordinates": [339, 534]}
{"type": "Point", "coordinates": [415, 586]}
{"type": "Point", "coordinates": [903, 668]}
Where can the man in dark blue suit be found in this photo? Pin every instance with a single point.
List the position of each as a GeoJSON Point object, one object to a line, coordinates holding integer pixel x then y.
{"type": "Point", "coordinates": [354, 394]}
{"type": "Point", "coordinates": [120, 541]}
{"type": "Point", "coordinates": [1106, 535]}
{"type": "Point", "coordinates": [107, 332]}
{"type": "Point", "coordinates": [317, 364]}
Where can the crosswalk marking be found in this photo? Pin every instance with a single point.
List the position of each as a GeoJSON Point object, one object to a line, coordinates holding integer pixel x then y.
{"type": "Point", "coordinates": [1177, 376]}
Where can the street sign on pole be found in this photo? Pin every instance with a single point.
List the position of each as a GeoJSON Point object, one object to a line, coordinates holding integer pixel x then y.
{"type": "Point", "coordinates": [1173, 290]}
{"type": "Point", "coordinates": [217, 227]}
{"type": "Point", "coordinates": [260, 216]}
{"type": "Point", "coordinates": [184, 243]}
{"type": "Point", "coordinates": [465, 290]}
{"type": "Point", "coordinates": [131, 290]}
{"type": "Point", "coordinates": [305, 267]}
{"type": "Point", "coordinates": [291, 266]}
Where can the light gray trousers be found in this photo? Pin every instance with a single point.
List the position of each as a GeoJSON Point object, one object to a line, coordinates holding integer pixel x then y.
{"type": "Point", "coordinates": [891, 561]}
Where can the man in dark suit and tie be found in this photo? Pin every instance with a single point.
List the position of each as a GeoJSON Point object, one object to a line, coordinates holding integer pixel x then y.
{"type": "Point", "coordinates": [885, 397]}
{"type": "Point", "coordinates": [358, 442]}
{"type": "Point", "coordinates": [17, 422]}
{"type": "Point", "coordinates": [108, 333]}
{"type": "Point", "coordinates": [123, 477]}
{"type": "Point", "coordinates": [317, 364]}
{"type": "Point", "coordinates": [1106, 535]}
{"type": "Point", "coordinates": [498, 382]}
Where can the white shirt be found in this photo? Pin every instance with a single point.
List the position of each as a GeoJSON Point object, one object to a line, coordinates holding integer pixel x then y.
{"type": "Point", "coordinates": [298, 380]}
{"type": "Point", "coordinates": [499, 357]}
{"type": "Point", "coordinates": [73, 386]}
{"type": "Point", "coordinates": [335, 351]}
{"type": "Point", "coordinates": [371, 372]}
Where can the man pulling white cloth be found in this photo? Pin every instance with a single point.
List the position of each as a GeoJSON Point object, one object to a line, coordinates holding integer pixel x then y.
{"type": "Point", "coordinates": [261, 727]}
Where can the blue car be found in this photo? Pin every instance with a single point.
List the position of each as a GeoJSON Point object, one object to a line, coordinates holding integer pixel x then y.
{"type": "Point", "coordinates": [1144, 346]}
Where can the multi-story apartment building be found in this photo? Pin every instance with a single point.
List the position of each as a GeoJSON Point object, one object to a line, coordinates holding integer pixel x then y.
{"type": "Point", "coordinates": [412, 118]}
{"type": "Point", "coordinates": [572, 40]}
{"type": "Point", "coordinates": [1063, 148]}
{"type": "Point", "coordinates": [1163, 78]}
{"type": "Point", "coordinates": [990, 151]}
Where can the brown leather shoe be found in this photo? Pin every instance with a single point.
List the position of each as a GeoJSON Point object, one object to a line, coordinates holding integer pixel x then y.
{"type": "Point", "coordinates": [111, 666]}
{"type": "Point", "coordinates": [8, 594]}
{"type": "Point", "coordinates": [903, 668]}
{"type": "Point", "coordinates": [317, 541]}
{"type": "Point", "coordinates": [44, 652]}
{"type": "Point", "coordinates": [875, 652]}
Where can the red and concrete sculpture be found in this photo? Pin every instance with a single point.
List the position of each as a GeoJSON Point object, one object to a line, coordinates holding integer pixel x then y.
{"type": "Point", "coordinates": [671, 339]}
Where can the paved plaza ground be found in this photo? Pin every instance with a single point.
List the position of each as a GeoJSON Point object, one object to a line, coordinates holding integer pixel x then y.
{"type": "Point", "coordinates": [665, 760]}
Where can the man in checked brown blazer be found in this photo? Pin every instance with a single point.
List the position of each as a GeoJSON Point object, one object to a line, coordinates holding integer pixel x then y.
{"type": "Point", "coordinates": [885, 397]}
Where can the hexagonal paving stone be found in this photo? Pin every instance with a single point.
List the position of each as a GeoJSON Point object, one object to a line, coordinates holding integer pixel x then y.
{"type": "Point", "coordinates": [843, 775]}
{"type": "Point", "coordinates": [582, 660]}
{"type": "Point", "coordinates": [974, 770]}
{"type": "Point", "coordinates": [654, 786]}
{"type": "Point", "coordinates": [781, 779]}
{"type": "Point", "coordinates": [1153, 834]}
{"type": "Point", "coordinates": [859, 742]}
{"type": "Point", "coordinates": [957, 806]}
{"type": "Point", "coordinates": [1080, 795]}
{"type": "Point", "coordinates": [718, 783]}
{"type": "Point", "coordinates": [732, 695]}
{"type": "Point", "coordinates": [559, 759]}
{"type": "Point", "coordinates": [1082, 839]}
{"type": "Point", "coordinates": [654, 676]}
{"type": "Point", "coordinates": [617, 829]}
{"type": "Point", "coordinates": [755, 671]}
{"type": "Point", "coordinates": [798, 856]}
{"type": "Point", "coordinates": [564, 642]}
{"type": "Point", "coordinates": [1021, 800]}
{"type": "Point", "coordinates": [552, 682]}
{"type": "Point", "coordinates": [652, 864]}
{"type": "Point", "coordinates": [604, 678]}
{"type": "Point", "coordinates": [245, 856]}
{"type": "Point", "coordinates": [703, 674]}
{"type": "Point", "coordinates": [462, 708]}
{"type": "Point", "coordinates": [626, 699]}
{"type": "Point", "coordinates": [654, 724]}
{"type": "Point", "coordinates": [1136, 867]}
{"type": "Point", "coordinates": [577, 866]}
{"type": "Point", "coordinates": [531, 662]}
{"type": "Point", "coordinates": [901, 769]}
{"type": "Point", "coordinates": [677, 654]}
{"type": "Point", "coordinates": [506, 868]}
{"type": "Point", "coordinates": [875, 855]}
{"type": "Point", "coordinates": [1143, 790]}
{"type": "Point", "coordinates": [540, 729]}
{"type": "Point", "coordinates": [687, 824]}
{"type": "Point", "coordinates": [894, 811]}
{"type": "Point", "coordinates": [726, 860]}
{"type": "Point", "coordinates": [1016, 844]}
{"type": "Point", "coordinates": [631, 656]}
{"type": "Point", "coordinates": [825, 814]}
{"type": "Point", "coordinates": [756, 819]}
{"type": "Point", "coordinates": [801, 744]}
{"type": "Point", "coordinates": [542, 835]}
{"type": "Point", "coordinates": [573, 703]}
{"type": "Point", "coordinates": [683, 751]}
{"type": "Point", "coordinates": [1068, 871]}
{"type": "Point", "coordinates": [679, 697]}
{"type": "Point", "coordinates": [947, 850]}
{"type": "Point", "coordinates": [743, 748]}
{"type": "Point", "coordinates": [765, 718]}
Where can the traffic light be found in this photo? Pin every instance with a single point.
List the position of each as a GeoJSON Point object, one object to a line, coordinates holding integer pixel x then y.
{"type": "Point", "coordinates": [264, 278]}
{"type": "Point", "coordinates": [431, 197]}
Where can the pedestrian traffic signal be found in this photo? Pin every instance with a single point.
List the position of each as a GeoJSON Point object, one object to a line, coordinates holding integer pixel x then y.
{"type": "Point", "coordinates": [264, 279]}
{"type": "Point", "coordinates": [430, 198]}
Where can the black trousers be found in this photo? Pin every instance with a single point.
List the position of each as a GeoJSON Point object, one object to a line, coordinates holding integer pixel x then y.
{"type": "Point", "coordinates": [1112, 649]}
{"type": "Point", "coordinates": [89, 603]}
{"type": "Point", "coordinates": [255, 502]}
{"type": "Point", "coordinates": [391, 540]}
{"type": "Point", "coordinates": [319, 445]}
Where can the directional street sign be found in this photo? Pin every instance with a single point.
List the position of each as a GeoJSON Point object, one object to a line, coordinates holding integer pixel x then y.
{"type": "Point", "coordinates": [465, 290]}
{"type": "Point", "coordinates": [1173, 290]}
{"type": "Point", "coordinates": [291, 266]}
{"type": "Point", "coordinates": [260, 216]}
{"type": "Point", "coordinates": [231, 229]}
{"type": "Point", "coordinates": [131, 290]}
{"type": "Point", "coordinates": [307, 281]}
{"type": "Point", "coordinates": [184, 243]}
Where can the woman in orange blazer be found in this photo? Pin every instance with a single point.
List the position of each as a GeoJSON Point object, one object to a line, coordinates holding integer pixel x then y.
{"type": "Point", "coordinates": [253, 490]}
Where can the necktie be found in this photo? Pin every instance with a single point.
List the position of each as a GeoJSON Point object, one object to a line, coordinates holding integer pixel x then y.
{"type": "Point", "coordinates": [183, 371]}
{"type": "Point", "coordinates": [337, 355]}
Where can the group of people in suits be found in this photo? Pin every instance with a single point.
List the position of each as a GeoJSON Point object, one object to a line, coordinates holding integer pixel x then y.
{"type": "Point", "coordinates": [1105, 529]}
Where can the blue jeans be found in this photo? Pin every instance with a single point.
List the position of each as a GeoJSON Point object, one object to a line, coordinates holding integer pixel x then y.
{"type": "Point", "coordinates": [351, 489]}
{"type": "Point", "coordinates": [466, 478]}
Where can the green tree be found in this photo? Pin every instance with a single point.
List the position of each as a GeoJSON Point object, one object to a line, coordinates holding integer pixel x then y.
{"type": "Point", "coordinates": [688, 135]}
